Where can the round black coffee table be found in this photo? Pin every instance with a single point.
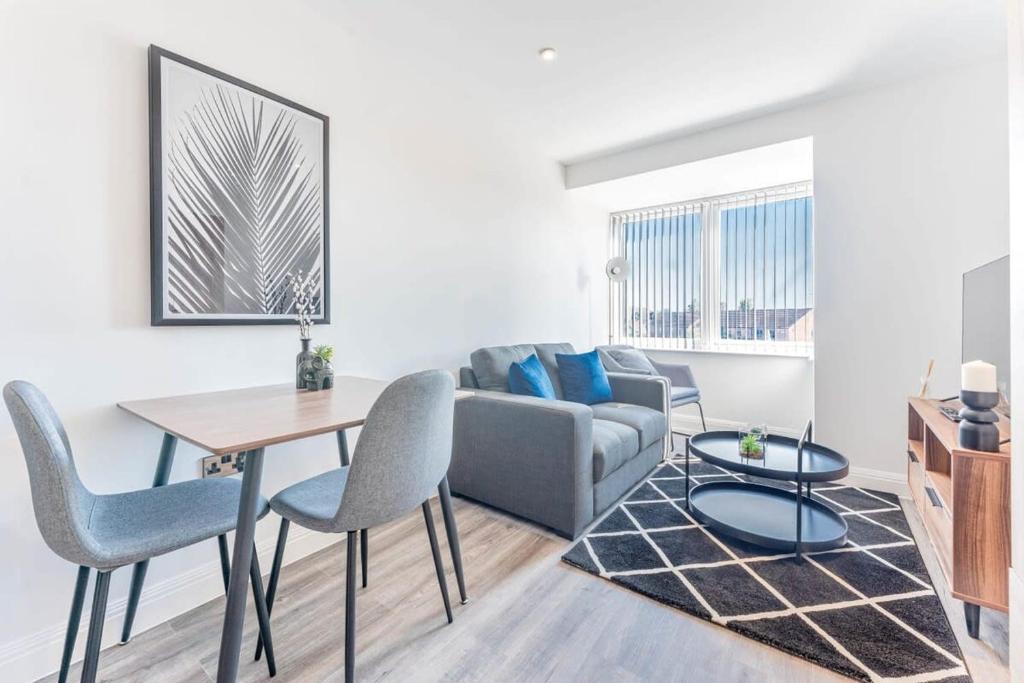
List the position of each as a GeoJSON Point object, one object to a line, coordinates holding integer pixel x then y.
{"type": "Point", "coordinates": [768, 516]}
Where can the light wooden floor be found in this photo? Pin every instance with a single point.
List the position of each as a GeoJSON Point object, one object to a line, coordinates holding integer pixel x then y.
{"type": "Point", "coordinates": [530, 618]}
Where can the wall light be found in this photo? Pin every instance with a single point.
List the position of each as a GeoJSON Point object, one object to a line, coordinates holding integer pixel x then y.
{"type": "Point", "coordinates": [547, 54]}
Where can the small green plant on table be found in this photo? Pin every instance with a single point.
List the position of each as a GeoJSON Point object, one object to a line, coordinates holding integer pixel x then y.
{"type": "Point", "coordinates": [324, 352]}
{"type": "Point", "coordinates": [750, 445]}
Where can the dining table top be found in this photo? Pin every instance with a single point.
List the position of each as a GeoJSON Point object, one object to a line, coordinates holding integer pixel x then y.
{"type": "Point", "coordinates": [238, 420]}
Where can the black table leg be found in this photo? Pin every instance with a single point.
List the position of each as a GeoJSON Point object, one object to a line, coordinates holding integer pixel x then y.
{"type": "Point", "coordinates": [163, 473]}
{"type": "Point", "coordinates": [241, 562]}
{"type": "Point", "coordinates": [451, 528]}
{"type": "Point", "coordinates": [343, 448]}
{"type": "Point", "coordinates": [799, 517]}
{"type": "Point", "coordinates": [687, 466]}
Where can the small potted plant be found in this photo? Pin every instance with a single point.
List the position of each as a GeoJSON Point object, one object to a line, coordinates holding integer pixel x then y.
{"type": "Point", "coordinates": [325, 352]}
{"type": "Point", "coordinates": [317, 373]}
{"type": "Point", "coordinates": [753, 441]}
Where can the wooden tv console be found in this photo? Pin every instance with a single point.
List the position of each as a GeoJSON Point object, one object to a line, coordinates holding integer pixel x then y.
{"type": "Point", "coordinates": [963, 496]}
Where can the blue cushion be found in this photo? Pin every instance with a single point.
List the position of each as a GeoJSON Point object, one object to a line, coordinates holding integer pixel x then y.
{"type": "Point", "coordinates": [583, 378]}
{"type": "Point", "coordinates": [529, 378]}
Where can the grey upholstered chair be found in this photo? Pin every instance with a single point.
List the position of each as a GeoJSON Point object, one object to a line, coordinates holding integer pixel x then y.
{"type": "Point", "coordinates": [625, 358]}
{"type": "Point", "coordinates": [104, 532]}
{"type": "Point", "coordinates": [402, 453]}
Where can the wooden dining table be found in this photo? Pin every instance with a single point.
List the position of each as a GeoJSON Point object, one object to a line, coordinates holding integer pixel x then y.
{"type": "Point", "coordinates": [247, 421]}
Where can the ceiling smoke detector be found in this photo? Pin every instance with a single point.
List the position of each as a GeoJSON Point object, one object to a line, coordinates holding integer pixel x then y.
{"type": "Point", "coordinates": [547, 54]}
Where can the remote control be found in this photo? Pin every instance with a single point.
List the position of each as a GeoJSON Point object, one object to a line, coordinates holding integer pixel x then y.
{"type": "Point", "coordinates": [952, 413]}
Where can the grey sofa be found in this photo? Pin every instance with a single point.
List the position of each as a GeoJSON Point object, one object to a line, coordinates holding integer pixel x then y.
{"type": "Point", "coordinates": [554, 462]}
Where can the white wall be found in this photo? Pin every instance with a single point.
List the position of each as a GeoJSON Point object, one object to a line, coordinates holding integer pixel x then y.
{"type": "Point", "coordinates": [910, 191]}
{"type": "Point", "coordinates": [446, 235]}
{"type": "Point", "coordinates": [738, 389]}
{"type": "Point", "coordinates": [1016, 182]}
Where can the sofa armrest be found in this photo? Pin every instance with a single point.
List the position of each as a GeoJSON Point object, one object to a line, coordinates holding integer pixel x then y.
{"type": "Point", "coordinates": [650, 391]}
{"type": "Point", "coordinates": [530, 456]}
{"type": "Point", "coordinates": [679, 373]}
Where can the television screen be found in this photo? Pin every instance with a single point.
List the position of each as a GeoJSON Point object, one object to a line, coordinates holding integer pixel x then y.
{"type": "Point", "coordinates": [986, 321]}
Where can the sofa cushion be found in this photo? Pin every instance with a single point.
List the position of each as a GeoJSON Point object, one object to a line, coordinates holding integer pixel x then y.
{"type": "Point", "coordinates": [547, 353]}
{"type": "Point", "coordinates": [650, 423]}
{"type": "Point", "coordinates": [490, 364]}
{"type": "Point", "coordinates": [614, 444]}
{"type": "Point", "coordinates": [529, 378]}
{"type": "Point", "coordinates": [583, 378]}
{"type": "Point", "coordinates": [633, 360]}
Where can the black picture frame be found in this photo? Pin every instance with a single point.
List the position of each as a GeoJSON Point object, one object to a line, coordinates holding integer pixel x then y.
{"type": "Point", "coordinates": [158, 292]}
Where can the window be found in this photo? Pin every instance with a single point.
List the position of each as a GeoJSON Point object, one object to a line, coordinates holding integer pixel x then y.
{"type": "Point", "coordinates": [734, 272]}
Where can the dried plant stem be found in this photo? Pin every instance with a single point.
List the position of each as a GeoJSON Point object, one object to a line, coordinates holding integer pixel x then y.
{"type": "Point", "coordinates": [302, 293]}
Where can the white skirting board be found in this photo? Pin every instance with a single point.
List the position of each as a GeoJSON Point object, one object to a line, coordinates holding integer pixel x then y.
{"type": "Point", "coordinates": [863, 477]}
{"type": "Point", "coordinates": [38, 654]}
{"type": "Point", "coordinates": [690, 424]}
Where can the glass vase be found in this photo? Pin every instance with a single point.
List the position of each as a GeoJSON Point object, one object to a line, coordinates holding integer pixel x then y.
{"type": "Point", "coordinates": [302, 361]}
{"type": "Point", "coordinates": [753, 440]}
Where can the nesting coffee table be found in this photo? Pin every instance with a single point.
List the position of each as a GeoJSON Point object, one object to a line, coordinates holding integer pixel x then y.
{"type": "Point", "coordinates": [769, 516]}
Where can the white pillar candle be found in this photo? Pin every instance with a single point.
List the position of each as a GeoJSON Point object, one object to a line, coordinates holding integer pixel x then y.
{"type": "Point", "coordinates": [978, 376]}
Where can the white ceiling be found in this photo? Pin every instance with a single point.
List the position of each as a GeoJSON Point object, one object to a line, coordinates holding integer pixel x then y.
{"type": "Point", "coordinates": [633, 71]}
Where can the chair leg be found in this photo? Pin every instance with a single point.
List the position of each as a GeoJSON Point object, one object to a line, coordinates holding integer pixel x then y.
{"type": "Point", "coordinates": [160, 477]}
{"type": "Point", "coordinates": [134, 593]}
{"type": "Point", "coordinates": [451, 528]}
{"type": "Point", "coordinates": [262, 613]}
{"type": "Point", "coordinates": [99, 613]}
{"type": "Point", "coordinates": [364, 553]}
{"type": "Point", "coordinates": [74, 619]}
{"type": "Point", "coordinates": [225, 563]}
{"type": "Point", "coordinates": [428, 517]}
{"type": "Point", "coordinates": [275, 573]}
{"type": "Point", "coordinates": [350, 608]}
{"type": "Point", "coordinates": [703, 424]}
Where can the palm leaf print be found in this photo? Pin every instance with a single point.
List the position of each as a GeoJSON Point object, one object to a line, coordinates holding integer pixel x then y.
{"type": "Point", "coordinates": [244, 207]}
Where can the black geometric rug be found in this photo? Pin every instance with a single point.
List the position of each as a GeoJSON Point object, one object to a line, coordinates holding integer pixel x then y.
{"type": "Point", "coordinates": [866, 610]}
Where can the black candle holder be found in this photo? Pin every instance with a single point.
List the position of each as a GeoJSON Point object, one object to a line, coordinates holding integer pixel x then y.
{"type": "Point", "coordinates": [978, 431]}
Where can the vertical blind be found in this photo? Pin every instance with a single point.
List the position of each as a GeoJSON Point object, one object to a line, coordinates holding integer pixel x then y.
{"type": "Point", "coordinates": [732, 272]}
{"type": "Point", "coordinates": [660, 301]}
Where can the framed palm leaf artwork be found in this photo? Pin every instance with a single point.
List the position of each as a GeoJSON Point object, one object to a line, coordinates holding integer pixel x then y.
{"type": "Point", "coordinates": [239, 204]}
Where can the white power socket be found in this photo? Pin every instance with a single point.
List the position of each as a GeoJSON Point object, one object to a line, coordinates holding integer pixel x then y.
{"type": "Point", "coordinates": [222, 465]}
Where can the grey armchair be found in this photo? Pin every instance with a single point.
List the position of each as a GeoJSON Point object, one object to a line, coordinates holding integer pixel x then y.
{"type": "Point", "coordinates": [684, 390]}
{"type": "Point", "coordinates": [554, 462]}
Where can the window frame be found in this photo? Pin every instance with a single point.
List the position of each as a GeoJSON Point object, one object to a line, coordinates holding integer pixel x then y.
{"type": "Point", "coordinates": [709, 339]}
